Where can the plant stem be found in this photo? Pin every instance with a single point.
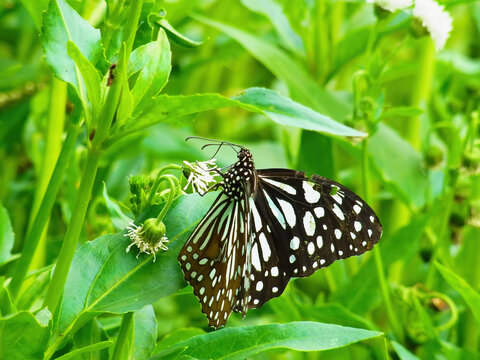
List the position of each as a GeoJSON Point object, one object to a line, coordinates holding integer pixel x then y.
{"type": "Point", "coordinates": [377, 256]}
{"type": "Point", "coordinates": [69, 245]}
{"type": "Point", "coordinates": [53, 145]}
{"type": "Point", "coordinates": [121, 346]}
{"type": "Point", "coordinates": [33, 235]}
{"type": "Point", "coordinates": [171, 197]}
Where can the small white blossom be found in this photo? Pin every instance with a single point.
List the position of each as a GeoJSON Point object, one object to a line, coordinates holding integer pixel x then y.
{"type": "Point", "coordinates": [392, 5]}
{"type": "Point", "coordinates": [144, 245]}
{"type": "Point", "coordinates": [435, 19]}
{"type": "Point", "coordinates": [202, 175]}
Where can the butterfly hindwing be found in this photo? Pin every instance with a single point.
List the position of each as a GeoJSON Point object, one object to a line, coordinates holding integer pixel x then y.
{"type": "Point", "coordinates": [214, 256]}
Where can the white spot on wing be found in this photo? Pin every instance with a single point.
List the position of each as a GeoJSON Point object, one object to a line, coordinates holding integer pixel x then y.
{"type": "Point", "coordinates": [357, 208]}
{"type": "Point", "coordinates": [294, 243]}
{"type": "Point", "coordinates": [357, 225]}
{"type": "Point", "coordinates": [319, 212]}
{"type": "Point", "coordinates": [319, 242]}
{"type": "Point", "coordinates": [311, 248]}
{"type": "Point", "coordinates": [255, 258]}
{"type": "Point", "coordinates": [266, 252]}
{"type": "Point", "coordinates": [288, 211]}
{"type": "Point", "coordinates": [338, 212]}
{"type": "Point", "coordinates": [311, 195]}
{"type": "Point", "coordinates": [338, 233]}
{"type": "Point", "coordinates": [309, 223]}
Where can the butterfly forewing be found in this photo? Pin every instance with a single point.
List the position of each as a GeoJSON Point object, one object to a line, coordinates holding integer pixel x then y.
{"type": "Point", "coordinates": [266, 227]}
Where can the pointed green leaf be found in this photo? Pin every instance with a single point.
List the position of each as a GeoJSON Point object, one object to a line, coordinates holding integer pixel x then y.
{"type": "Point", "coordinates": [60, 24]}
{"type": "Point", "coordinates": [402, 352]}
{"type": "Point", "coordinates": [282, 110]}
{"type": "Point", "coordinates": [84, 350]}
{"type": "Point", "coordinates": [6, 235]}
{"type": "Point", "coordinates": [175, 36]}
{"type": "Point", "coordinates": [153, 62]}
{"type": "Point", "coordinates": [471, 297]}
{"type": "Point", "coordinates": [275, 13]}
{"type": "Point", "coordinates": [243, 342]}
{"type": "Point", "coordinates": [90, 79]}
{"type": "Point", "coordinates": [285, 111]}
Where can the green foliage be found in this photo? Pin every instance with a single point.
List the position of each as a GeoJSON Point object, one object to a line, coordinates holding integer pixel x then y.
{"type": "Point", "coordinates": [93, 93]}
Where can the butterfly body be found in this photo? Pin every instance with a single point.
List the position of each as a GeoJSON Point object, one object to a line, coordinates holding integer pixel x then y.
{"type": "Point", "coordinates": [265, 227]}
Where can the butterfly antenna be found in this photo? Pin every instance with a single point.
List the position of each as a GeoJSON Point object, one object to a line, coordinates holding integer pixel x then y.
{"type": "Point", "coordinates": [220, 143]}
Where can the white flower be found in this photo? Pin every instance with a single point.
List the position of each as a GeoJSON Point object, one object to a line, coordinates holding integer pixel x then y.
{"type": "Point", "coordinates": [202, 175]}
{"type": "Point", "coordinates": [435, 19]}
{"type": "Point", "coordinates": [392, 5]}
{"type": "Point", "coordinates": [148, 246]}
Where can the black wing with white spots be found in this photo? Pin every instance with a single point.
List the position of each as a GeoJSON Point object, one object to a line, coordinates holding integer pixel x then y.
{"type": "Point", "coordinates": [266, 227]}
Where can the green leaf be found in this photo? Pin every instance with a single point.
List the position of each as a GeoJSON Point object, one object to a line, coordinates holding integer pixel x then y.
{"type": "Point", "coordinates": [125, 106]}
{"type": "Point", "coordinates": [285, 111]}
{"type": "Point", "coordinates": [177, 336]}
{"type": "Point", "coordinates": [119, 219]}
{"type": "Point", "coordinates": [173, 34]}
{"type": "Point", "coordinates": [471, 297]}
{"type": "Point", "coordinates": [103, 278]}
{"type": "Point", "coordinates": [7, 236]}
{"type": "Point", "coordinates": [242, 342]}
{"type": "Point", "coordinates": [169, 109]}
{"type": "Point", "coordinates": [60, 24]}
{"type": "Point", "coordinates": [91, 333]}
{"type": "Point", "coordinates": [6, 302]}
{"type": "Point", "coordinates": [286, 69]}
{"type": "Point", "coordinates": [402, 352]}
{"type": "Point", "coordinates": [90, 79]}
{"type": "Point", "coordinates": [87, 349]}
{"type": "Point", "coordinates": [274, 12]}
{"type": "Point", "coordinates": [153, 62]}
{"type": "Point", "coordinates": [145, 333]}
{"type": "Point", "coordinates": [399, 164]}
{"type": "Point", "coordinates": [22, 336]}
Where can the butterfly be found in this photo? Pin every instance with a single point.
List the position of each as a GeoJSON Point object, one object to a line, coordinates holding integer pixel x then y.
{"type": "Point", "coordinates": [265, 227]}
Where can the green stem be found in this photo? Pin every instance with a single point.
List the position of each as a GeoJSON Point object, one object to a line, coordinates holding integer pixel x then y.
{"type": "Point", "coordinates": [379, 268]}
{"type": "Point", "coordinates": [69, 245]}
{"type": "Point", "coordinates": [33, 235]}
{"type": "Point", "coordinates": [53, 146]}
{"type": "Point", "coordinates": [159, 177]}
{"type": "Point", "coordinates": [171, 196]}
{"type": "Point", "coordinates": [122, 349]}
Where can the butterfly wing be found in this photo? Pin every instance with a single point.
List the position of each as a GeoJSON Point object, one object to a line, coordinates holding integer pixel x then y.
{"type": "Point", "coordinates": [213, 258]}
{"type": "Point", "coordinates": [301, 224]}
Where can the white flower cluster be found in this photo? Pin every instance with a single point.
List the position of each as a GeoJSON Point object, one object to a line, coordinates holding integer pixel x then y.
{"type": "Point", "coordinates": [432, 15]}
{"type": "Point", "coordinates": [134, 233]}
{"type": "Point", "coordinates": [435, 19]}
{"type": "Point", "coordinates": [202, 175]}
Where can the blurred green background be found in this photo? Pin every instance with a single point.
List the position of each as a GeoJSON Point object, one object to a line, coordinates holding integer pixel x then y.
{"type": "Point", "coordinates": [371, 70]}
